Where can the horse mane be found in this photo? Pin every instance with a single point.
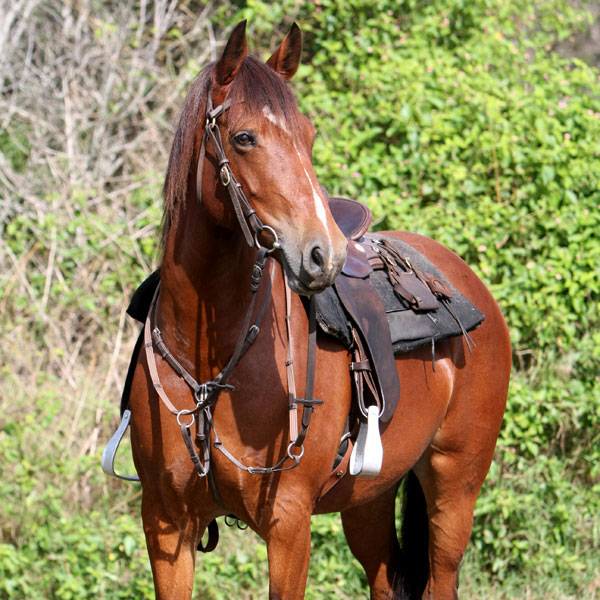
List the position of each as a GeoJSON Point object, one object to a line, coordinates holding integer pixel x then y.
{"type": "Point", "coordinates": [255, 87]}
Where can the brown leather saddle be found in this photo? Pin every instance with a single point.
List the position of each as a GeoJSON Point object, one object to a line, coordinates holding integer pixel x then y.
{"type": "Point", "coordinates": [391, 299]}
{"type": "Point", "coordinates": [374, 367]}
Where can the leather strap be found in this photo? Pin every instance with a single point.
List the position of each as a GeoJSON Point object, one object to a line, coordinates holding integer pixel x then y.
{"type": "Point", "coordinates": [213, 537]}
{"type": "Point", "coordinates": [289, 364]}
{"type": "Point", "coordinates": [419, 289]}
{"type": "Point", "coordinates": [295, 458]}
{"type": "Point", "coordinates": [248, 333]}
{"type": "Point", "coordinates": [246, 215]}
{"type": "Point", "coordinates": [297, 436]}
{"type": "Point", "coordinates": [151, 361]}
{"type": "Point", "coordinates": [363, 376]}
{"type": "Point", "coordinates": [225, 106]}
{"type": "Point", "coordinates": [308, 402]}
{"type": "Point", "coordinates": [339, 472]}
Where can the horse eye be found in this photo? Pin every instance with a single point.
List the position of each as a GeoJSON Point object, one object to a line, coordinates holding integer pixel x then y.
{"type": "Point", "coordinates": [245, 138]}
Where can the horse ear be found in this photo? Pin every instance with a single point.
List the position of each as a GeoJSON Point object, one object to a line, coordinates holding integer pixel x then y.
{"type": "Point", "coordinates": [233, 56]}
{"type": "Point", "coordinates": [286, 58]}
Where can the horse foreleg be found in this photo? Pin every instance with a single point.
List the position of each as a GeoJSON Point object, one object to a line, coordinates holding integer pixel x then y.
{"type": "Point", "coordinates": [371, 534]}
{"type": "Point", "coordinates": [171, 549]}
{"type": "Point", "coordinates": [288, 549]}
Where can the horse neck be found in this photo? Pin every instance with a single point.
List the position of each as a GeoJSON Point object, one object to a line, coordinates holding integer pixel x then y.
{"type": "Point", "coordinates": [205, 291]}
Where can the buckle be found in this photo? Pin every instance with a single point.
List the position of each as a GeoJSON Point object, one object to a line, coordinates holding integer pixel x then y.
{"type": "Point", "coordinates": [304, 402]}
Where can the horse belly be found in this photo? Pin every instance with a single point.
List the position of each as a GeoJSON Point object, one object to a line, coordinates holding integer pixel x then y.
{"type": "Point", "coordinates": [424, 398]}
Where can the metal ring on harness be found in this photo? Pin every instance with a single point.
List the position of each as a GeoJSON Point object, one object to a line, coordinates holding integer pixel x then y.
{"type": "Point", "coordinates": [186, 412]}
{"type": "Point", "coordinates": [364, 410]}
{"type": "Point", "coordinates": [225, 176]}
{"type": "Point", "coordinates": [295, 457]}
{"type": "Point", "coordinates": [275, 245]}
{"type": "Point", "coordinates": [201, 396]}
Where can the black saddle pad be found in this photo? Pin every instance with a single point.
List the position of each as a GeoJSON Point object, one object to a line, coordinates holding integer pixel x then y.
{"type": "Point", "coordinates": [408, 329]}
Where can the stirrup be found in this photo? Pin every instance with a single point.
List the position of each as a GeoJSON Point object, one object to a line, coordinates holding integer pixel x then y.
{"type": "Point", "coordinates": [107, 461]}
{"type": "Point", "coordinates": [367, 454]}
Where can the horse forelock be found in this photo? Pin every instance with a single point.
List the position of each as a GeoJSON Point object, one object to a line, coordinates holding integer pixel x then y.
{"type": "Point", "coordinates": [257, 87]}
{"type": "Point", "coordinates": [257, 90]}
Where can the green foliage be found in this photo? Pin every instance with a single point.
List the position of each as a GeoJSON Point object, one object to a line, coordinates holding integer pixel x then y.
{"type": "Point", "coordinates": [61, 538]}
{"type": "Point", "coordinates": [460, 121]}
{"type": "Point", "coordinates": [543, 492]}
{"type": "Point", "coordinates": [15, 147]}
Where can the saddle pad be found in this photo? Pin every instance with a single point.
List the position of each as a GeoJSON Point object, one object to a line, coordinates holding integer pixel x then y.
{"type": "Point", "coordinates": [408, 329]}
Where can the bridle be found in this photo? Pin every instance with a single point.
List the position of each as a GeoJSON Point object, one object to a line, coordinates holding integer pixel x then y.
{"type": "Point", "coordinates": [246, 215]}
{"type": "Point", "coordinates": [207, 393]}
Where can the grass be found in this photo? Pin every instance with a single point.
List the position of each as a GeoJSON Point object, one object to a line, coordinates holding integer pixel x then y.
{"type": "Point", "coordinates": [70, 532]}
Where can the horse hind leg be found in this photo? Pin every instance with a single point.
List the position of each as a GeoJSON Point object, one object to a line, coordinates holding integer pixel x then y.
{"type": "Point", "coordinates": [451, 478]}
{"type": "Point", "coordinates": [452, 470]}
{"type": "Point", "coordinates": [392, 572]}
{"type": "Point", "coordinates": [450, 502]}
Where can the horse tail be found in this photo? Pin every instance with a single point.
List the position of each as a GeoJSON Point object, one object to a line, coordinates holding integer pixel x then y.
{"type": "Point", "coordinates": [414, 541]}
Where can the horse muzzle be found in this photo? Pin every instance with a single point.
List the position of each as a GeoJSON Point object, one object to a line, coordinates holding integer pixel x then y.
{"type": "Point", "coordinates": [314, 268]}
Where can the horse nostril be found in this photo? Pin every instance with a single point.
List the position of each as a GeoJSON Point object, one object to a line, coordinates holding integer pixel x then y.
{"type": "Point", "coordinates": [319, 267]}
{"type": "Point", "coordinates": [317, 257]}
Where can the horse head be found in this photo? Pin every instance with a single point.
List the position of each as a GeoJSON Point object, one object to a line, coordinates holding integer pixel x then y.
{"type": "Point", "coordinates": [267, 144]}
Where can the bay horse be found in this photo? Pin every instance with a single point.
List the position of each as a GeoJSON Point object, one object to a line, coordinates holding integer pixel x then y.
{"type": "Point", "coordinates": [442, 436]}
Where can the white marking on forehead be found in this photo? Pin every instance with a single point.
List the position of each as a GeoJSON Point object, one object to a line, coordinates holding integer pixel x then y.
{"type": "Point", "coordinates": [268, 113]}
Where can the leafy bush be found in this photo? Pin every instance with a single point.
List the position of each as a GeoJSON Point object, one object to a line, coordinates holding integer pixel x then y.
{"type": "Point", "coordinates": [462, 122]}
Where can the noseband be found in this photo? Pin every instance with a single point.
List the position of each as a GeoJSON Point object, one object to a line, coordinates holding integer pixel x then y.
{"type": "Point", "coordinates": [246, 215]}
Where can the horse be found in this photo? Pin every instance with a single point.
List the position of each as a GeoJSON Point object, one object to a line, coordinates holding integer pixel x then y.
{"type": "Point", "coordinates": [441, 438]}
